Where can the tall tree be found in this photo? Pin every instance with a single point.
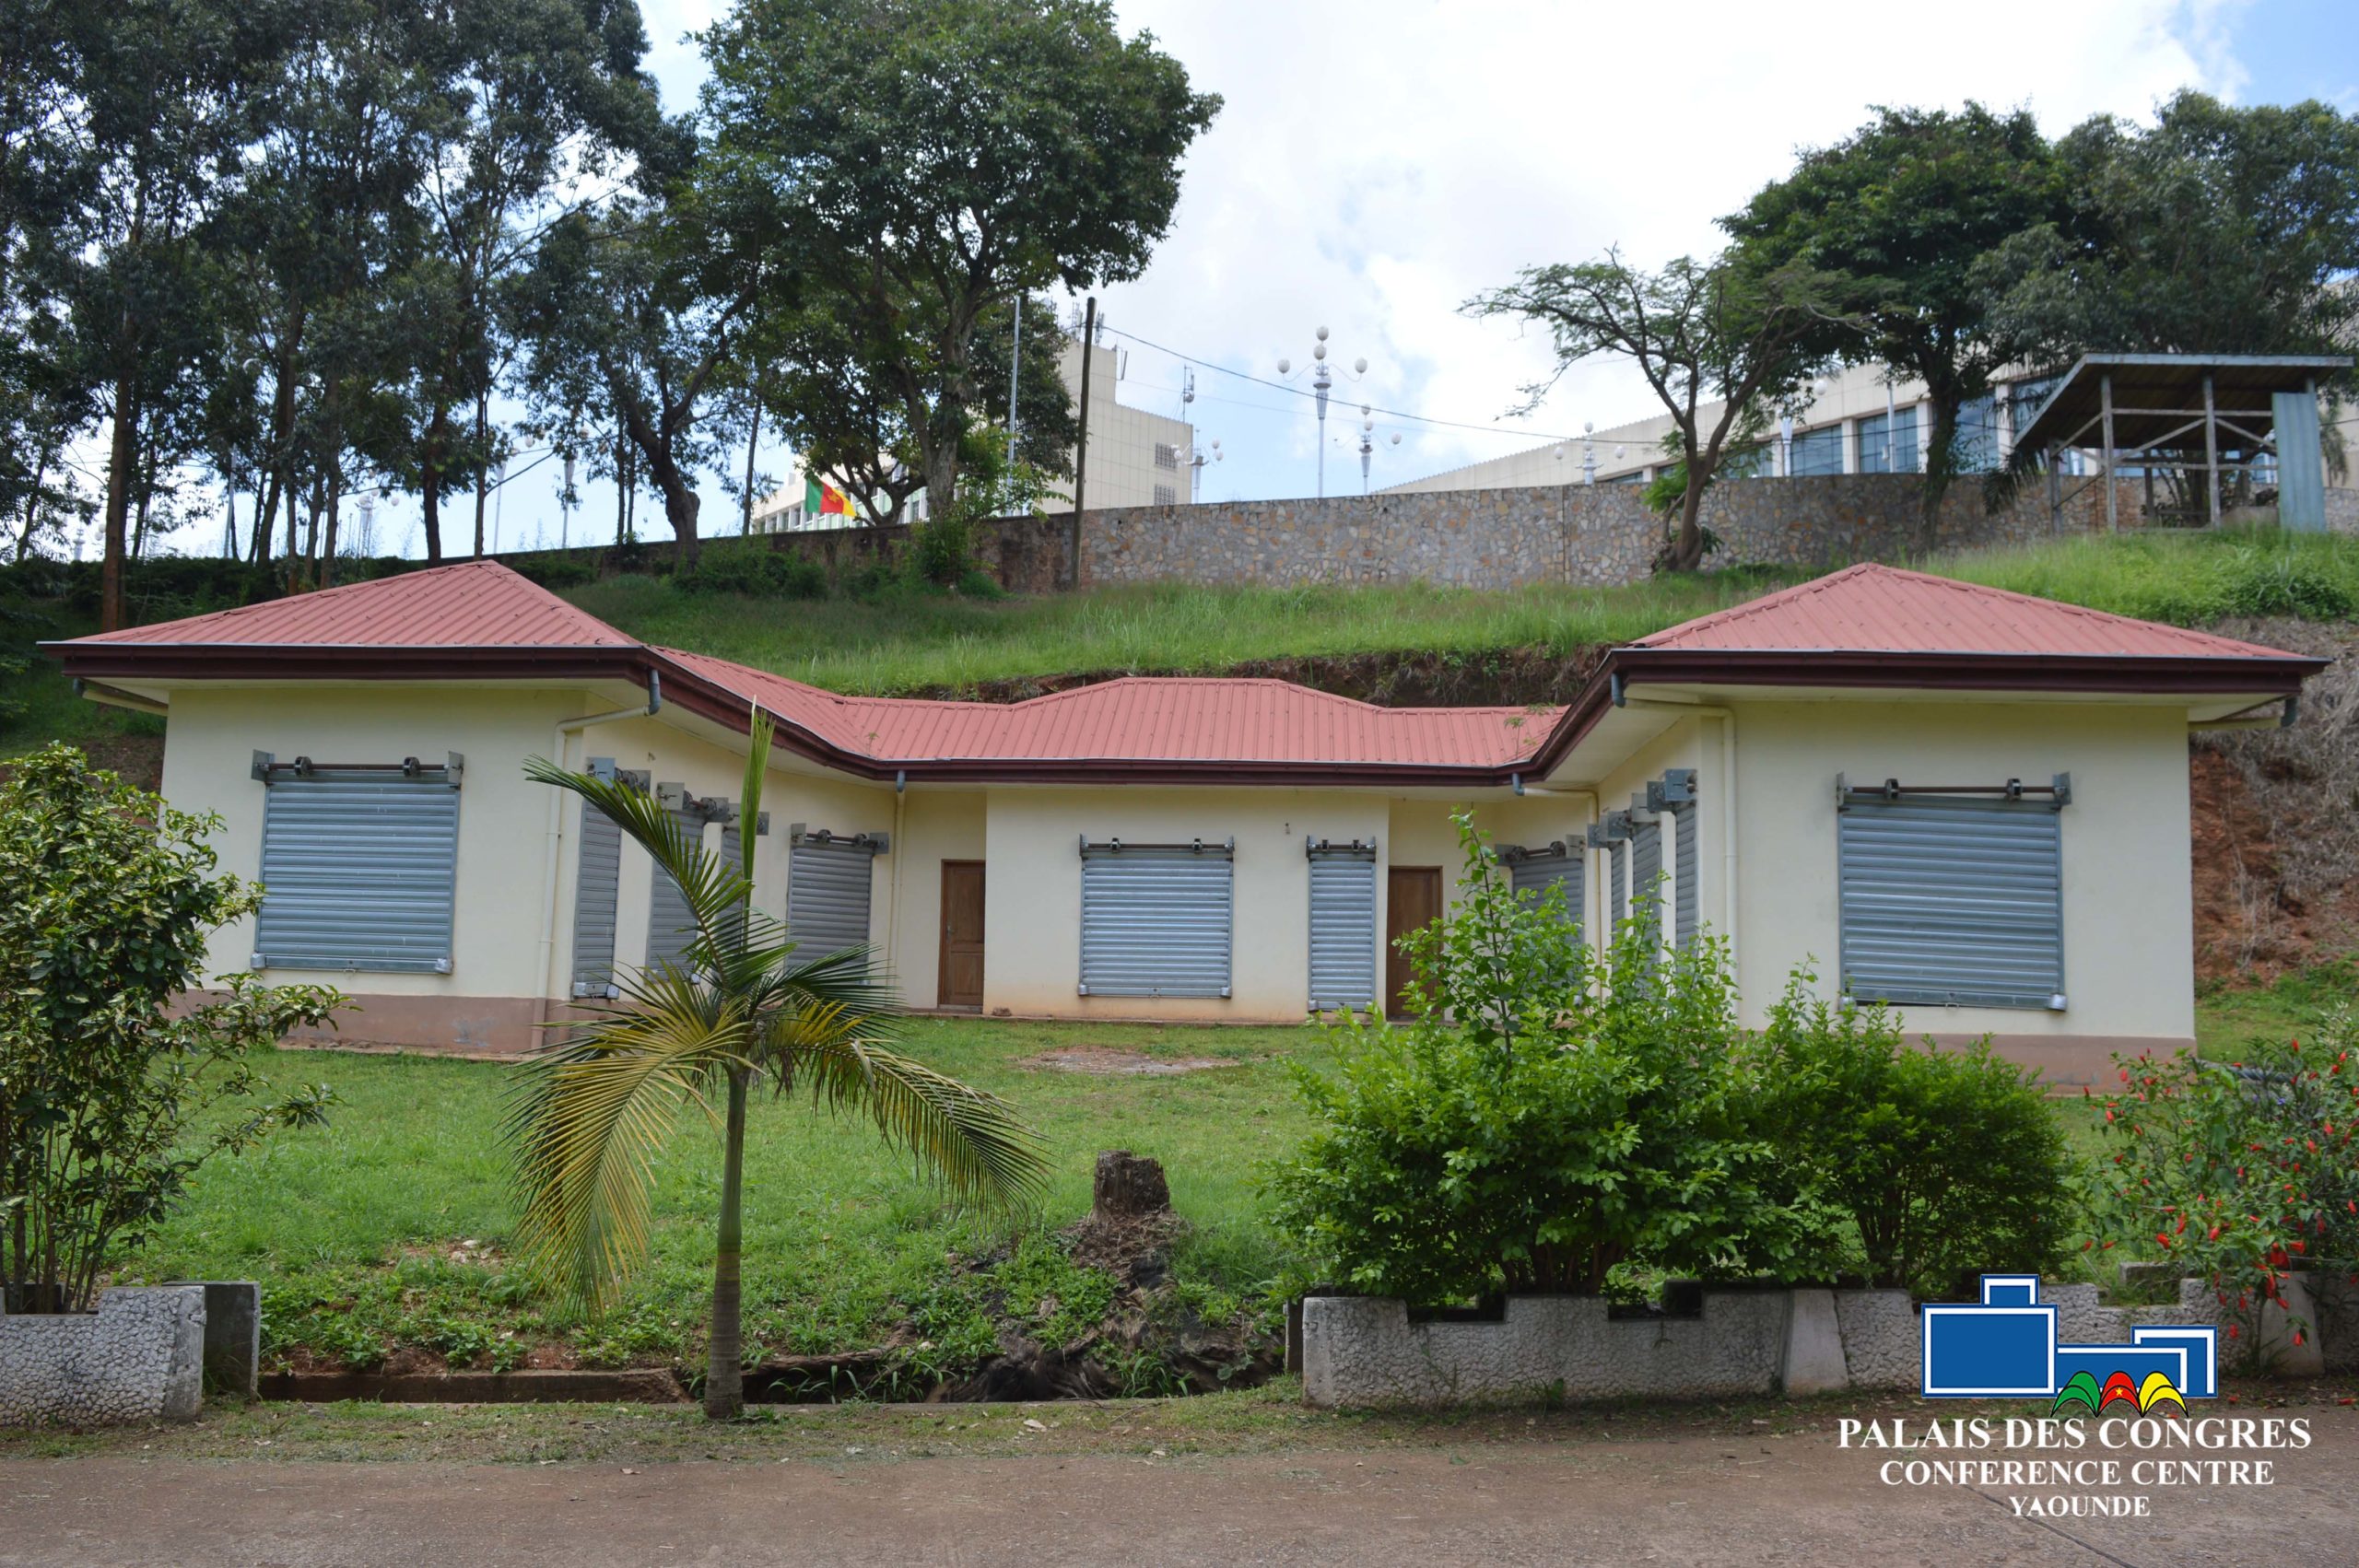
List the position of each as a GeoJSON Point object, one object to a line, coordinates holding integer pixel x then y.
{"type": "Point", "coordinates": [932, 159]}
{"type": "Point", "coordinates": [1697, 331]}
{"type": "Point", "coordinates": [156, 90]}
{"type": "Point", "coordinates": [2218, 229]}
{"type": "Point", "coordinates": [541, 103]}
{"type": "Point", "coordinates": [633, 321]}
{"type": "Point", "coordinates": [1898, 215]}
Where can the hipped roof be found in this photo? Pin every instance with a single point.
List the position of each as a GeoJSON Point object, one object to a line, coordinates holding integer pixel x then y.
{"type": "Point", "coordinates": [1866, 625]}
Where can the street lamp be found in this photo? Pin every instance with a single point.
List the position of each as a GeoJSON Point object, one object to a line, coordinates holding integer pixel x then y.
{"type": "Point", "coordinates": [1322, 380]}
{"type": "Point", "coordinates": [1367, 443]}
{"type": "Point", "coordinates": [1196, 469]}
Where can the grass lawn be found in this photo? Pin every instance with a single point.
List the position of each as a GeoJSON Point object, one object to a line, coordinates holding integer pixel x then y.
{"type": "Point", "coordinates": [353, 1226]}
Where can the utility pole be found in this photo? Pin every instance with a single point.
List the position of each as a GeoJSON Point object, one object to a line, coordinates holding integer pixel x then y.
{"type": "Point", "coordinates": [1081, 447]}
{"type": "Point", "coordinates": [1015, 379]}
{"type": "Point", "coordinates": [753, 442]}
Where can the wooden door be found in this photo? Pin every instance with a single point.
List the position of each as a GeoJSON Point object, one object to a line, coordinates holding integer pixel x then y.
{"type": "Point", "coordinates": [1412, 899]}
{"type": "Point", "coordinates": [961, 966]}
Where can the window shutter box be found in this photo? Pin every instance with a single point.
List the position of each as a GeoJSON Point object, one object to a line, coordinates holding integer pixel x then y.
{"type": "Point", "coordinates": [1343, 923]}
{"type": "Point", "coordinates": [359, 867]}
{"type": "Point", "coordinates": [827, 883]}
{"type": "Point", "coordinates": [1156, 919]}
{"type": "Point", "coordinates": [1951, 902]}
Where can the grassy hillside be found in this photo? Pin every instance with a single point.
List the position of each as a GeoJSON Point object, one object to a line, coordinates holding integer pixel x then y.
{"type": "Point", "coordinates": [909, 641]}
{"type": "Point", "coordinates": [906, 640]}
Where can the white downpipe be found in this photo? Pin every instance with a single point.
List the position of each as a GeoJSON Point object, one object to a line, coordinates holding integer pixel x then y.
{"type": "Point", "coordinates": [1728, 799]}
{"type": "Point", "coordinates": [893, 920]}
{"type": "Point", "coordinates": [555, 831]}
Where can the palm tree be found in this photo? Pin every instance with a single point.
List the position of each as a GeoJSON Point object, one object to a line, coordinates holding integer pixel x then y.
{"type": "Point", "coordinates": [591, 1111]}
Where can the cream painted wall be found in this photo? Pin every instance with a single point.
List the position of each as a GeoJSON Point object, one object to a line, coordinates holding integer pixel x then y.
{"type": "Point", "coordinates": [210, 741]}
{"type": "Point", "coordinates": [2129, 966]}
{"type": "Point", "coordinates": [1032, 918]}
{"type": "Point", "coordinates": [936, 825]}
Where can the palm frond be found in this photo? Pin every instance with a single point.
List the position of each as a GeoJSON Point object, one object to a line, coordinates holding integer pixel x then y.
{"type": "Point", "coordinates": [712, 890]}
{"type": "Point", "coordinates": [588, 1116]}
{"type": "Point", "coordinates": [969, 1138]}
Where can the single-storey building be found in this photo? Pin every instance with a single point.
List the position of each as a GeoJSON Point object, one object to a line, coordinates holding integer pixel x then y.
{"type": "Point", "coordinates": [1968, 803]}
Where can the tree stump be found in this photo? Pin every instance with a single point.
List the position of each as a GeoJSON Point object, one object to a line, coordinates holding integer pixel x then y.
{"type": "Point", "coordinates": [1128, 1185]}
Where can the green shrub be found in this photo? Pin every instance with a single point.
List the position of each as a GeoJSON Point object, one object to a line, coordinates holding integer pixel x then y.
{"type": "Point", "coordinates": [557, 569]}
{"type": "Point", "coordinates": [1943, 1163]}
{"type": "Point", "coordinates": [941, 550]}
{"type": "Point", "coordinates": [754, 570]}
{"type": "Point", "coordinates": [1548, 1115]}
{"type": "Point", "coordinates": [2238, 1172]}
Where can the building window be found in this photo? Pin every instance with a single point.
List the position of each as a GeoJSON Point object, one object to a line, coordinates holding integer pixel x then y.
{"type": "Point", "coordinates": [1889, 446]}
{"type": "Point", "coordinates": [1156, 919]}
{"type": "Point", "coordinates": [1166, 455]}
{"type": "Point", "coordinates": [1977, 443]}
{"type": "Point", "coordinates": [1167, 496]}
{"type": "Point", "coordinates": [597, 879]}
{"type": "Point", "coordinates": [359, 867]}
{"type": "Point", "coordinates": [1818, 451]}
{"type": "Point", "coordinates": [671, 924]}
{"type": "Point", "coordinates": [1343, 923]}
{"type": "Point", "coordinates": [829, 878]}
{"type": "Point", "coordinates": [1951, 900]}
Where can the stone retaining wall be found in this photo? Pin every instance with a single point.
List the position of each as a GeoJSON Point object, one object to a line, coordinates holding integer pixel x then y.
{"type": "Point", "coordinates": [1363, 1350]}
{"type": "Point", "coordinates": [139, 1357]}
{"type": "Point", "coordinates": [1593, 536]}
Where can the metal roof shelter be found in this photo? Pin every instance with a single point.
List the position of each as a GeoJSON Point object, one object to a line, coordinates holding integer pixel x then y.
{"type": "Point", "coordinates": [2211, 420]}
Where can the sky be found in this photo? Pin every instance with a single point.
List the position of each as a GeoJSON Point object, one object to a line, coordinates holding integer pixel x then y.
{"type": "Point", "coordinates": [1376, 163]}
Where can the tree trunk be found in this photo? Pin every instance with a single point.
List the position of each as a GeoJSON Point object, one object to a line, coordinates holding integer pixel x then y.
{"type": "Point", "coordinates": [264, 521]}
{"type": "Point", "coordinates": [32, 517]}
{"type": "Point", "coordinates": [430, 475]}
{"type": "Point", "coordinates": [326, 578]}
{"type": "Point", "coordinates": [1127, 1186]}
{"type": "Point", "coordinates": [724, 1378]}
{"type": "Point", "coordinates": [1688, 546]}
{"type": "Point", "coordinates": [1939, 463]}
{"type": "Point", "coordinates": [123, 457]}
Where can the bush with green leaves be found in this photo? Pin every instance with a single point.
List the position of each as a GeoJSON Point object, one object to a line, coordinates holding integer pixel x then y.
{"type": "Point", "coordinates": [110, 1098]}
{"type": "Point", "coordinates": [1548, 1115]}
{"type": "Point", "coordinates": [1939, 1163]}
{"type": "Point", "coordinates": [2240, 1172]}
{"type": "Point", "coordinates": [755, 571]}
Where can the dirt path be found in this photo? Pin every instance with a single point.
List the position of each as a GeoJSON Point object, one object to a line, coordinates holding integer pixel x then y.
{"type": "Point", "coordinates": [1682, 1499]}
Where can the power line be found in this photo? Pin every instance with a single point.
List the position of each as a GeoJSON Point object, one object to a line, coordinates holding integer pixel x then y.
{"type": "Point", "coordinates": [1492, 429]}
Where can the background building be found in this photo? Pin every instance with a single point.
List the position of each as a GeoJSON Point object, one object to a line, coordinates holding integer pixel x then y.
{"type": "Point", "coordinates": [1136, 457]}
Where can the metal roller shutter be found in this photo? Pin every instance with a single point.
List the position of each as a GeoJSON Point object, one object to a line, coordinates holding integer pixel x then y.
{"type": "Point", "coordinates": [827, 895]}
{"type": "Point", "coordinates": [1952, 902]}
{"type": "Point", "coordinates": [358, 874]}
{"type": "Point", "coordinates": [1342, 924]}
{"type": "Point", "coordinates": [1537, 871]}
{"type": "Point", "coordinates": [1156, 919]}
{"type": "Point", "coordinates": [1683, 889]}
{"type": "Point", "coordinates": [596, 877]}
{"type": "Point", "coordinates": [1646, 865]}
{"type": "Point", "coordinates": [1617, 880]}
{"type": "Point", "coordinates": [671, 924]}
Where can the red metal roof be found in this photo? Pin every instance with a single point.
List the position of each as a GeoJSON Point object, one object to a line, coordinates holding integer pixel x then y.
{"type": "Point", "coordinates": [1871, 608]}
{"type": "Point", "coordinates": [1867, 625]}
{"type": "Point", "coordinates": [471, 604]}
{"type": "Point", "coordinates": [1142, 719]}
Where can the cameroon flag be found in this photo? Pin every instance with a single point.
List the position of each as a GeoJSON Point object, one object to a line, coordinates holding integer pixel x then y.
{"type": "Point", "coordinates": [822, 499]}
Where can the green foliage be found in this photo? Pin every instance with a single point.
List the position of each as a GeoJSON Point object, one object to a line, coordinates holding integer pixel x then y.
{"type": "Point", "coordinates": [917, 164]}
{"type": "Point", "coordinates": [106, 901]}
{"type": "Point", "coordinates": [751, 570]}
{"type": "Point", "coordinates": [2238, 1172]}
{"type": "Point", "coordinates": [1943, 1162]}
{"type": "Point", "coordinates": [556, 568]}
{"type": "Point", "coordinates": [1898, 216]}
{"type": "Point", "coordinates": [1549, 1113]}
{"type": "Point", "coordinates": [2219, 229]}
